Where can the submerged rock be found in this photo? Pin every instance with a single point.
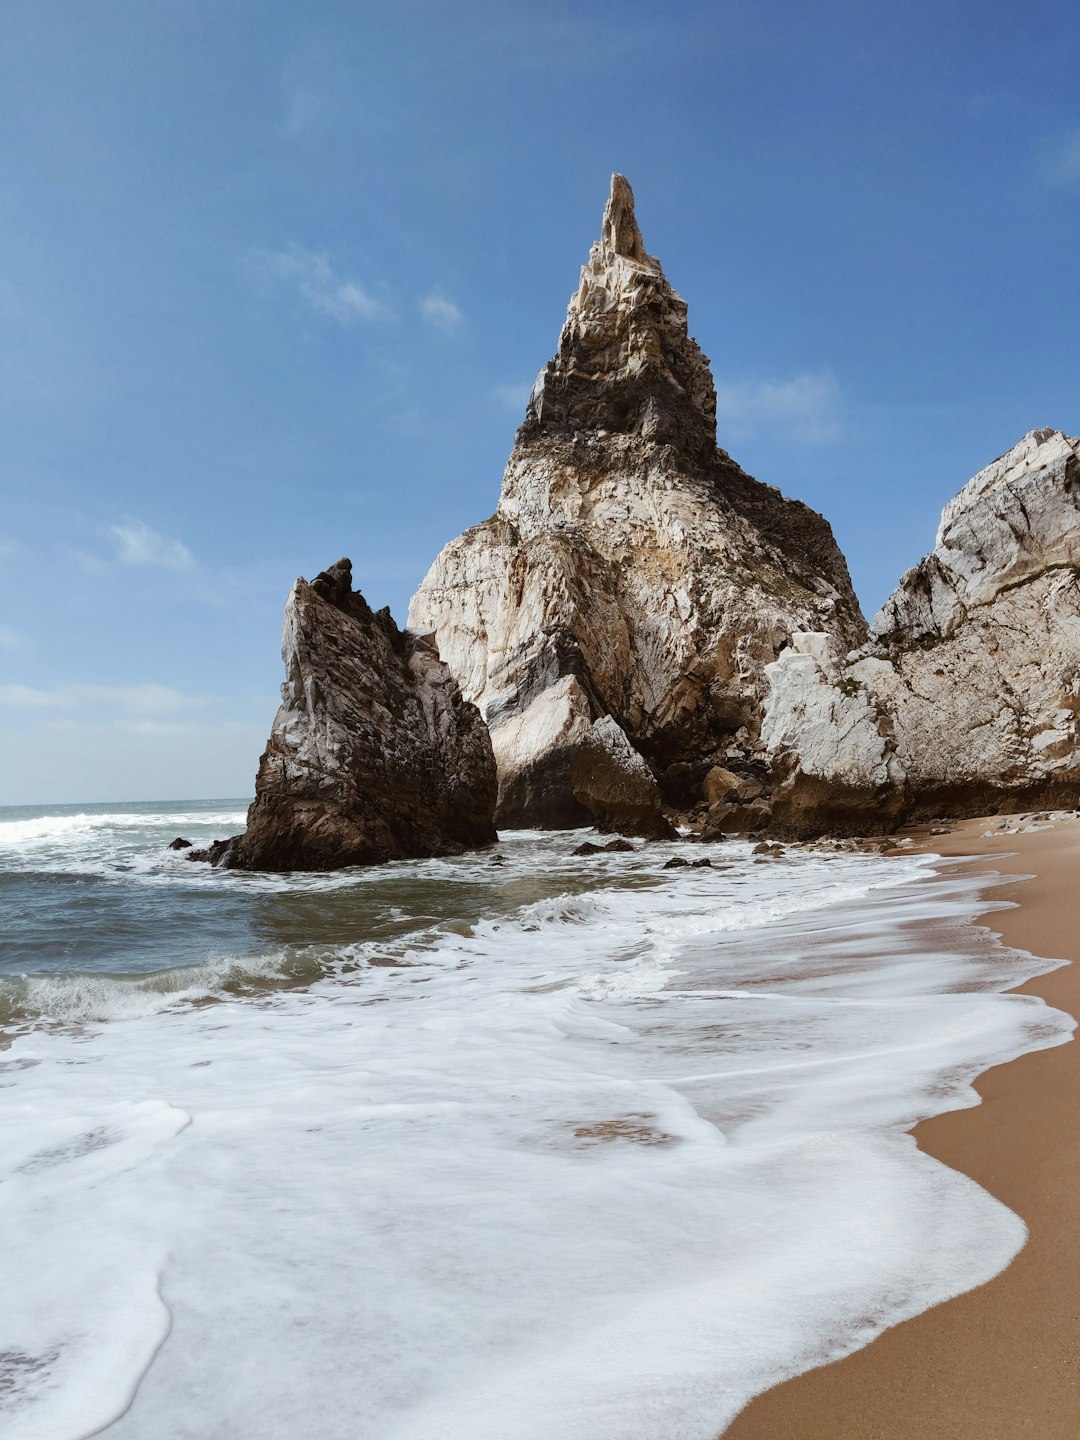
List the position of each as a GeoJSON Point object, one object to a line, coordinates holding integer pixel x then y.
{"type": "Point", "coordinates": [373, 755]}
{"type": "Point", "coordinates": [965, 699]}
{"type": "Point", "coordinates": [218, 852]}
{"type": "Point", "coordinates": [632, 573]}
{"type": "Point", "coordinates": [613, 847]}
{"type": "Point", "coordinates": [179, 844]}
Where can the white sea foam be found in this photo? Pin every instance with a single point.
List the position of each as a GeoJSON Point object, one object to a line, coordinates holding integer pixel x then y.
{"type": "Point", "coordinates": [600, 1167]}
{"type": "Point", "coordinates": [49, 829]}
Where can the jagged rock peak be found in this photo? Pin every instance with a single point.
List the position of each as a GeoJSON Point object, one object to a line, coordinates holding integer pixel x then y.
{"type": "Point", "coordinates": [619, 234]}
{"type": "Point", "coordinates": [612, 620]}
{"type": "Point", "coordinates": [626, 364]}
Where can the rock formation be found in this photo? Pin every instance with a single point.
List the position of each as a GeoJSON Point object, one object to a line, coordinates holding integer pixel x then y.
{"type": "Point", "coordinates": [634, 583]}
{"type": "Point", "coordinates": [373, 755]}
{"type": "Point", "coordinates": [965, 699]}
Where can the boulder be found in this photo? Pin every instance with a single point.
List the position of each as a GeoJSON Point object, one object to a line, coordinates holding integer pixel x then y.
{"type": "Point", "coordinates": [611, 780]}
{"type": "Point", "coordinates": [721, 784]}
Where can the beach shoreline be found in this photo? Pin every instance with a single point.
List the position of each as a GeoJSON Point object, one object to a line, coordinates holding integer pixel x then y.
{"type": "Point", "coordinates": [1002, 1361]}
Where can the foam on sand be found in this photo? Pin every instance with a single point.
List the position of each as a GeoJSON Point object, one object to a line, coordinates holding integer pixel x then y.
{"type": "Point", "coordinates": [600, 1167]}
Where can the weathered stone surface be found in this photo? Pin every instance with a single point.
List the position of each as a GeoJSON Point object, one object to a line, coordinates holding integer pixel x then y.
{"type": "Point", "coordinates": [631, 569]}
{"type": "Point", "coordinates": [373, 755]}
{"type": "Point", "coordinates": [611, 780]}
{"type": "Point", "coordinates": [966, 697]}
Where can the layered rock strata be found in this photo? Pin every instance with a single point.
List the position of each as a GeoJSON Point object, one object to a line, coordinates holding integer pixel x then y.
{"type": "Point", "coordinates": [965, 699]}
{"type": "Point", "coordinates": [632, 573]}
{"type": "Point", "coordinates": [374, 755]}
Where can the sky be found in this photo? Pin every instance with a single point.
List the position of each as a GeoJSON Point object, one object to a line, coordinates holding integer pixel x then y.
{"type": "Point", "coordinates": [275, 280]}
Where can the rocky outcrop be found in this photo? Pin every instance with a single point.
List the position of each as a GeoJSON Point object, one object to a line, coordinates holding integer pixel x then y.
{"type": "Point", "coordinates": [373, 755]}
{"type": "Point", "coordinates": [632, 573]}
{"type": "Point", "coordinates": [966, 697]}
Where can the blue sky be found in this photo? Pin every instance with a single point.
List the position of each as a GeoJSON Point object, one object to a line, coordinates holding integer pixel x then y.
{"type": "Point", "coordinates": [274, 279]}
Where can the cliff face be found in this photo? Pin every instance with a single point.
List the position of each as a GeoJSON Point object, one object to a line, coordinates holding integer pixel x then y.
{"type": "Point", "coordinates": [966, 697]}
{"type": "Point", "coordinates": [631, 573]}
{"type": "Point", "coordinates": [373, 755]}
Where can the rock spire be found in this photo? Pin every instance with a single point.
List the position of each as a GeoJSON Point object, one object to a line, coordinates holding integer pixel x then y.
{"type": "Point", "coordinates": [631, 573]}
{"type": "Point", "coordinates": [626, 364]}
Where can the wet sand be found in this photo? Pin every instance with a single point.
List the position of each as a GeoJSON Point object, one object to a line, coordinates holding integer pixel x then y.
{"type": "Point", "coordinates": [1001, 1362]}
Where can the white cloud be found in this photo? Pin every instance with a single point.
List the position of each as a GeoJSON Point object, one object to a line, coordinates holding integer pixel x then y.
{"type": "Point", "coordinates": [806, 408]}
{"type": "Point", "coordinates": [330, 294]}
{"type": "Point", "coordinates": [10, 638]}
{"type": "Point", "coordinates": [137, 544]}
{"type": "Point", "coordinates": [140, 700]}
{"type": "Point", "coordinates": [438, 310]}
{"type": "Point", "coordinates": [1061, 163]}
{"type": "Point", "coordinates": [514, 397]}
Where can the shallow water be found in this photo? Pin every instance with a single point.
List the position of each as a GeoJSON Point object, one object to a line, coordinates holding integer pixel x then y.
{"type": "Point", "coordinates": [548, 1147]}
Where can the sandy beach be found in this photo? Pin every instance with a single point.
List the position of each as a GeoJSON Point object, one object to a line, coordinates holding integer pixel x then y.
{"type": "Point", "coordinates": [1003, 1361]}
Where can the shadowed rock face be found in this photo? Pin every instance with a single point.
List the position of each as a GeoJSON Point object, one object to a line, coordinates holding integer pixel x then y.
{"type": "Point", "coordinates": [373, 755]}
{"type": "Point", "coordinates": [631, 570]}
{"type": "Point", "coordinates": [965, 699]}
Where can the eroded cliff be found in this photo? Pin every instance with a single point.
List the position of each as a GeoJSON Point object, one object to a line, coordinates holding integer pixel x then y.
{"type": "Point", "coordinates": [966, 697]}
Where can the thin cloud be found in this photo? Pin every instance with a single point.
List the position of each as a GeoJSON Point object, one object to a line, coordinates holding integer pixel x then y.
{"type": "Point", "coordinates": [137, 544]}
{"type": "Point", "coordinates": [303, 112]}
{"type": "Point", "coordinates": [1061, 162]}
{"type": "Point", "coordinates": [438, 310]}
{"type": "Point", "coordinates": [11, 639]}
{"type": "Point", "coordinates": [806, 408]}
{"type": "Point", "coordinates": [334, 296]}
{"type": "Point", "coordinates": [136, 700]}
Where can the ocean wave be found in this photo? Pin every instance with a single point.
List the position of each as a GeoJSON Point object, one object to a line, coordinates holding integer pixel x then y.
{"type": "Point", "coordinates": [96, 998]}
{"type": "Point", "coordinates": [44, 829]}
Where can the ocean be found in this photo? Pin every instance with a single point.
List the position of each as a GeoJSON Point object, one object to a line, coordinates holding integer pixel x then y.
{"type": "Point", "coordinates": [513, 1146]}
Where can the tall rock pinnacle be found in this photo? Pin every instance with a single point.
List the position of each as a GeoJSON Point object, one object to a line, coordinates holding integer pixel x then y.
{"type": "Point", "coordinates": [620, 234]}
{"type": "Point", "coordinates": [622, 602]}
{"type": "Point", "coordinates": [625, 363]}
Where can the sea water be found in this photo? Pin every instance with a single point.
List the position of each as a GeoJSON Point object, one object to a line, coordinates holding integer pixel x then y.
{"type": "Point", "coordinates": [513, 1146]}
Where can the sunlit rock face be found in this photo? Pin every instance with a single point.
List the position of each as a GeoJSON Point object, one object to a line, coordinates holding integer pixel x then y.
{"type": "Point", "coordinates": [631, 571]}
{"type": "Point", "coordinates": [965, 698]}
{"type": "Point", "coordinates": [373, 755]}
